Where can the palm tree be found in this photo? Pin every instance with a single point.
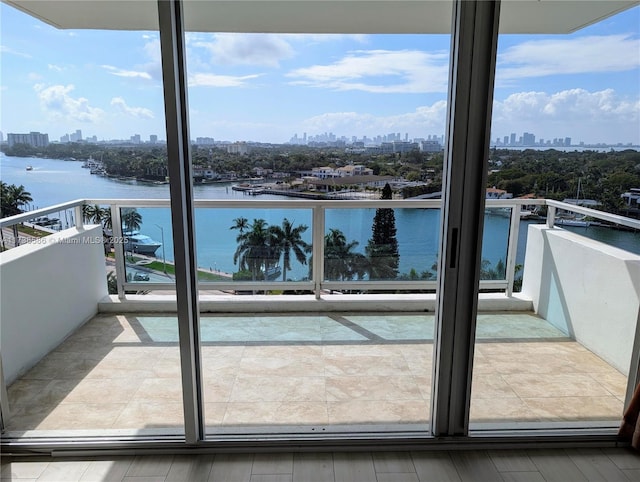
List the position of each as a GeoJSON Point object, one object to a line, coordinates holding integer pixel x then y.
{"type": "Point", "coordinates": [12, 198]}
{"type": "Point", "coordinates": [93, 213]}
{"type": "Point", "coordinates": [107, 224]}
{"type": "Point", "coordinates": [131, 220]}
{"type": "Point", "coordinates": [98, 215]}
{"type": "Point", "coordinates": [4, 199]}
{"type": "Point", "coordinates": [107, 230]}
{"type": "Point", "coordinates": [254, 248]}
{"type": "Point", "coordinates": [241, 224]}
{"type": "Point", "coordinates": [340, 262]}
{"type": "Point", "coordinates": [286, 239]}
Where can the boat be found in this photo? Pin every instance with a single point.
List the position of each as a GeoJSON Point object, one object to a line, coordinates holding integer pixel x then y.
{"type": "Point", "coordinates": [272, 272]}
{"type": "Point", "coordinates": [506, 212]}
{"type": "Point", "coordinates": [29, 168]}
{"type": "Point", "coordinates": [580, 222]}
{"type": "Point", "coordinates": [140, 243]}
{"type": "Point", "coordinates": [572, 219]}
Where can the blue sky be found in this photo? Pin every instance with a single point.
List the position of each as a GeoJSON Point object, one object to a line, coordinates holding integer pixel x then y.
{"type": "Point", "coordinates": [268, 87]}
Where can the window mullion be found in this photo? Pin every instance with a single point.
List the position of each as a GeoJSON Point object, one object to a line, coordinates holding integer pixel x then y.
{"type": "Point", "coordinates": [472, 70]}
{"type": "Point", "coordinates": [182, 212]}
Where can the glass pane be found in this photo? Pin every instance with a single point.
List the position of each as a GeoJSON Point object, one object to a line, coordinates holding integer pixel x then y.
{"type": "Point", "coordinates": [268, 245]}
{"type": "Point", "coordinates": [319, 123]}
{"type": "Point", "coordinates": [148, 247]}
{"type": "Point", "coordinates": [356, 249]}
{"type": "Point", "coordinates": [83, 119]}
{"type": "Point", "coordinates": [562, 132]}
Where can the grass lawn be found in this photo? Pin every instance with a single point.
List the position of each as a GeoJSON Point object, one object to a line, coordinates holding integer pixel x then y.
{"type": "Point", "coordinates": [159, 266]}
{"type": "Point", "coordinates": [36, 233]}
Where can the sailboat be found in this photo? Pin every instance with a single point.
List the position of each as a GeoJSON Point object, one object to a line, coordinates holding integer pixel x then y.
{"type": "Point", "coordinates": [574, 219]}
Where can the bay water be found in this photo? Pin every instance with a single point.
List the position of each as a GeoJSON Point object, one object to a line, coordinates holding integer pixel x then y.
{"type": "Point", "coordinates": [52, 181]}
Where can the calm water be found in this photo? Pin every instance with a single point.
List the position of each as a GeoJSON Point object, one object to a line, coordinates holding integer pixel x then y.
{"type": "Point", "coordinates": [54, 181]}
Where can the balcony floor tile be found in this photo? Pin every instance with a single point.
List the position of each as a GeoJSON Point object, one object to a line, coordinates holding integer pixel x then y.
{"type": "Point", "coordinates": [122, 372]}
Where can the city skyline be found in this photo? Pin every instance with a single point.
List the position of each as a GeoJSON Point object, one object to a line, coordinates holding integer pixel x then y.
{"type": "Point", "coordinates": [527, 139]}
{"type": "Point", "coordinates": [264, 88]}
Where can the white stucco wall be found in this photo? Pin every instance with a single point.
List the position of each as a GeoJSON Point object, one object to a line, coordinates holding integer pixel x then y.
{"type": "Point", "coordinates": [587, 289]}
{"type": "Point", "coordinates": [47, 290]}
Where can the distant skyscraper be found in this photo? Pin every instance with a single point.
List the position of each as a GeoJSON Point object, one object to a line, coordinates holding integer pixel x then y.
{"type": "Point", "coordinates": [153, 138]}
{"type": "Point", "coordinates": [34, 139]}
{"type": "Point", "coordinates": [64, 139]}
{"type": "Point", "coordinates": [79, 134]}
{"type": "Point", "coordinates": [513, 139]}
{"type": "Point", "coordinates": [135, 138]}
{"type": "Point", "coordinates": [506, 140]}
{"type": "Point", "coordinates": [567, 141]}
{"type": "Point", "coordinates": [528, 139]}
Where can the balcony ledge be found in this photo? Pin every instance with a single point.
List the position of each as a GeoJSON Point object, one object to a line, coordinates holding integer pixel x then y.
{"type": "Point", "coordinates": [487, 302]}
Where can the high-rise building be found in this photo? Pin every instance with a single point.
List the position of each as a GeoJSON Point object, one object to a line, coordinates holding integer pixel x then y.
{"type": "Point", "coordinates": [205, 141]}
{"type": "Point", "coordinates": [135, 138]}
{"type": "Point", "coordinates": [34, 139]}
{"type": "Point", "coordinates": [153, 139]}
{"type": "Point", "coordinates": [64, 139]}
{"type": "Point", "coordinates": [513, 139]}
{"type": "Point", "coordinates": [506, 140]}
{"type": "Point", "coordinates": [1, 137]}
{"type": "Point", "coordinates": [567, 141]}
{"type": "Point", "coordinates": [528, 139]}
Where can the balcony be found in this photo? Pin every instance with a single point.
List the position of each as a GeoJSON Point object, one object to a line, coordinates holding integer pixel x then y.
{"type": "Point", "coordinates": [340, 355]}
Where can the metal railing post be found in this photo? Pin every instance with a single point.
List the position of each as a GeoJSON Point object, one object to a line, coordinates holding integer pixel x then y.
{"type": "Point", "coordinates": [118, 249]}
{"type": "Point", "coordinates": [318, 249]}
{"type": "Point", "coordinates": [551, 216]}
{"type": "Point", "coordinates": [79, 218]}
{"type": "Point", "coordinates": [512, 249]}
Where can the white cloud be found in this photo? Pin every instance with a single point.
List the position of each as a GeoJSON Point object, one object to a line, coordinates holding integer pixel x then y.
{"type": "Point", "coordinates": [537, 58]}
{"type": "Point", "coordinates": [266, 50]}
{"type": "Point", "coordinates": [56, 101]}
{"type": "Point", "coordinates": [579, 113]}
{"type": "Point", "coordinates": [422, 121]}
{"type": "Point", "coordinates": [127, 73]}
{"type": "Point", "coordinates": [139, 112]}
{"type": "Point", "coordinates": [55, 68]}
{"type": "Point", "coordinates": [154, 66]}
{"type": "Point", "coordinates": [34, 77]}
{"type": "Point", "coordinates": [214, 80]}
{"type": "Point", "coordinates": [6, 50]}
{"type": "Point", "coordinates": [379, 71]}
{"type": "Point", "coordinates": [325, 37]}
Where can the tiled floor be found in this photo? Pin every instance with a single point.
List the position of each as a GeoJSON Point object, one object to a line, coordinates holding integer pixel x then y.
{"type": "Point", "coordinates": [311, 372]}
{"type": "Point", "coordinates": [611, 465]}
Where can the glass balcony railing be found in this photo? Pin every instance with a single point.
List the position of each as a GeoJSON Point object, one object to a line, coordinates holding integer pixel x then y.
{"type": "Point", "coordinates": [317, 247]}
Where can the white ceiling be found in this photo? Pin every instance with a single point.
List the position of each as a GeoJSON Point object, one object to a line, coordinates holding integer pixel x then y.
{"type": "Point", "coordinates": [318, 16]}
